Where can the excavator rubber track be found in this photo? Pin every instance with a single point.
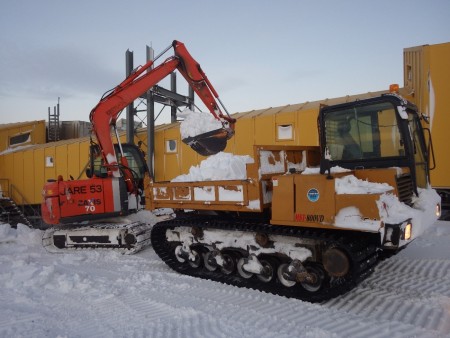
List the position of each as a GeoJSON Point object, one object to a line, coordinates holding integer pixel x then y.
{"type": "Point", "coordinates": [362, 253]}
{"type": "Point", "coordinates": [126, 238]}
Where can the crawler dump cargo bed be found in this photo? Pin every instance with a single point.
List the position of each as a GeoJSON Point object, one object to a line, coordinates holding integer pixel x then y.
{"type": "Point", "coordinates": [252, 194]}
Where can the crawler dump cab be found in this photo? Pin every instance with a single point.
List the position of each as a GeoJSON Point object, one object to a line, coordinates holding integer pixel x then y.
{"type": "Point", "coordinates": [382, 140]}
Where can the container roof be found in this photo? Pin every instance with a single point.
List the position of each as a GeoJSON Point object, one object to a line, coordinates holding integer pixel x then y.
{"type": "Point", "coordinates": [70, 141]}
{"type": "Point", "coordinates": [298, 107]}
{"type": "Point", "coordinates": [5, 126]}
{"type": "Point", "coordinates": [248, 114]}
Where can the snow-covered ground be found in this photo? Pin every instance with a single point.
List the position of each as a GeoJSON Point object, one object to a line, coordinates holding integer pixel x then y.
{"type": "Point", "coordinates": [106, 294]}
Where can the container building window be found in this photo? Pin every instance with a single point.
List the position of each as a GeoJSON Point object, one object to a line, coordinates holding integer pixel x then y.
{"type": "Point", "coordinates": [49, 163]}
{"type": "Point", "coordinates": [285, 132]}
{"type": "Point", "coordinates": [20, 139]}
{"type": "Point", "coordinates": [171, 146]}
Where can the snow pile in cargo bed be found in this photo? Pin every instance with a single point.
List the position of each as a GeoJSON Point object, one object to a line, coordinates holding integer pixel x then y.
{"type": "Point", "coordinates": [196, 123]}
{"type": "Point", "coordinates": [222, 166]}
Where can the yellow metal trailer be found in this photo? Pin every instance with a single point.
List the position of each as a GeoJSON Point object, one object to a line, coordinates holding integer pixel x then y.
{"type": "Point", "coordinates": [427, 84]}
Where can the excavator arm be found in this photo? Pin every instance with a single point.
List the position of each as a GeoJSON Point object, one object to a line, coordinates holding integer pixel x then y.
{"type": "Point", "coordinates": [106, 112]}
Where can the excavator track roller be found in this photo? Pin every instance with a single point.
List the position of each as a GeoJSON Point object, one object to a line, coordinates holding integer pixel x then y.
{"type": "Point", "coordinates": [130, 239]}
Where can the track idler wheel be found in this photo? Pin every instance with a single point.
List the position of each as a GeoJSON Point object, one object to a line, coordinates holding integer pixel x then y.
{"type": "Point", "coordinates": [214, 259]}
{"type": "Point", "coordinates": [210, 260]}
{"type": "Point", "coordinates": [267, 272]}
{"type": "Point", "coordinates": [184, 254]}
{"type": "Point", "coordinates": [228, 264]}
{"type": "Point", "coordinates": [241, 270]}
{"type": "Point", "coordinates": [285, 276]}
{"type": "Point", "coordinates": [195, 259]}
{"type": "Point", "coordinates": [315, 279]}
{"type": "Point", "coordinates": [310, 277]}
{"type": "Point", "coordinates": [181, 254]}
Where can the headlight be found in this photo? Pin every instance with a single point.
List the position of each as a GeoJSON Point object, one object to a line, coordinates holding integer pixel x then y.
{"type": "Point", "coordinates": [438, 210]}
{"type": "Point", "coordinates": [408, 231]}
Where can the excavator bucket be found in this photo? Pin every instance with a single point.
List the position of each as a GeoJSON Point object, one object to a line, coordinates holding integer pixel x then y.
{"type": "Point", "coordinates": [209, 143]}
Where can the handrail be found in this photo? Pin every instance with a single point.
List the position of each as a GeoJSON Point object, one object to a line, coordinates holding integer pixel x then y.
{"type": "Point", "coordinates": [4, 187]}
{"type": "Point", "coordinates": [24, 201]}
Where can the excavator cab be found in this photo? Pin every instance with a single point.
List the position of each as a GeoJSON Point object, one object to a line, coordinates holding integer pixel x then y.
{"type": "Point", "coordinates": [134, 156]}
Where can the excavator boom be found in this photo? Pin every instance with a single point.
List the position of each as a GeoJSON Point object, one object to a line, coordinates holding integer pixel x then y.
{"type": "Point", "coordinates": [106, 112]}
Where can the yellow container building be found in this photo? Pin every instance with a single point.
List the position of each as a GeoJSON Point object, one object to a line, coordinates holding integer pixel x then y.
{"type": "Point", "coordinates": [427, 84]}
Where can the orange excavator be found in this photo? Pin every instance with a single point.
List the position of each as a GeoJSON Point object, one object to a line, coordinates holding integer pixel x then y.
{"type": "Point", "coordinates": [115, 184]}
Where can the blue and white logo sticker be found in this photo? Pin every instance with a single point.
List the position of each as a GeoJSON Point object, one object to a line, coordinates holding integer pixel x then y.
{"type": "Point", "coordinates": [313, 195]}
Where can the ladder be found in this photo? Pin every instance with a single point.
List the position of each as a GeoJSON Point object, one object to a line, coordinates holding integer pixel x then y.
{"type": "Point", "coordinates": [11, 213]}
{"type": "Point", "coordinates": [53, 124]}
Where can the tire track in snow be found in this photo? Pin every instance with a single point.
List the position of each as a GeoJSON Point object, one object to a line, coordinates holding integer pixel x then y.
{"type": "Point", "coordinates": [214, 302]}
{"type": "Point", "coordinates": [405, 277]}
{"type": "Point", "coordinates": [158, 317]}
{"type": "Point", "coordinates": [16, 318]}
{"type": "Point", "coordinates": [430, 268]}
{"type": "Point", "coordinates": [44, 315]}
{"type": "Point", "coordinates": [380, 306]}
{"type": "Point", "coordinates": [399, 291]}
{"type": "Point", "coordinates": [382, 300]}
{"type": "Point", "coordinates": [259, 308]}
{"type": "Point", "coordinates": [115, 311]}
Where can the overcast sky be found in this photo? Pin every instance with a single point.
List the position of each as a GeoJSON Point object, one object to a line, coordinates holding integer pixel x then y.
{"type": "Point", "coordinates": [257, 53]}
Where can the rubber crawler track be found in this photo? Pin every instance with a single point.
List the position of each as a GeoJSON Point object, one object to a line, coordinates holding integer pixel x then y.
{"type": "Point", "coordinates": [140, 230]}
{"type": "Point", "coordinates": [359, 247]}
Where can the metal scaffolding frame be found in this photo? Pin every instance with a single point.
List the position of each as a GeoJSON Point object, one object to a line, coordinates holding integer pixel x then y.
{"type": "Point", "coordinates": [156, 94]}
